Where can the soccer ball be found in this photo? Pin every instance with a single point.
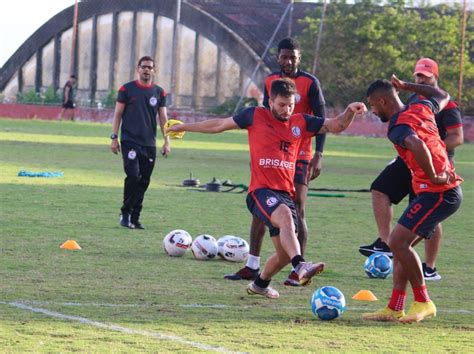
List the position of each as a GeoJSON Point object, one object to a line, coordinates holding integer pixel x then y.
{"type": "Point", "coordinates": [220, 243]}
{"type": "Point", "coordinates": [204, 247]}
{"type": "Point", "coordinates": [235, 250]}
{"type": "Point", "coordinates": [378, 265]}
{"type": "Point", "coordinates": [328, 303]}
{"type": "Point", "coordinates": [177, 242]}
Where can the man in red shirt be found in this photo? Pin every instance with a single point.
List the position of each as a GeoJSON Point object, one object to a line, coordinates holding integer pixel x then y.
{"type": "Point", "coordinates": [309, 99]}
{"type": "Point", "coordinates": [275, 136]}
{"type": "Point", "coordinates": [413, 131]}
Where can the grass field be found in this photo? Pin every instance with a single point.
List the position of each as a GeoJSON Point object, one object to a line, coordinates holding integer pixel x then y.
{"type": "Point", "coordinates": [121, 293]}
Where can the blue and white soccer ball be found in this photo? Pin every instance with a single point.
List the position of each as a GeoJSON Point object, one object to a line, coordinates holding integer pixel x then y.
{"type": "Point", "coordinates": [378, 265]}
{"type": "Point", "coordinates": [328, 303]}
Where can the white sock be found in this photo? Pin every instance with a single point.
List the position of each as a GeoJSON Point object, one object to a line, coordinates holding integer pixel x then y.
{"type": "Point", "coordinates": [253, 262]}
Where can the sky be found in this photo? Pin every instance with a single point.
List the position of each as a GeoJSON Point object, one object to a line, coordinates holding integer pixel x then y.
{"type": "Point", "coordinates": [19, 19]}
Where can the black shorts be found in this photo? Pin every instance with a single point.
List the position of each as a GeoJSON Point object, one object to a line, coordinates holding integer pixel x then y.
{"type": "Point", "coordinates": [427, 210]}
{"type": "Point", "coordinates": [301, 172]}
{"type": "Point", "coordinates": [69, 104]}
{"type": "Point", "coordinates": [394, 181]}
{"type": "Point", "coordinates": [263, 202]}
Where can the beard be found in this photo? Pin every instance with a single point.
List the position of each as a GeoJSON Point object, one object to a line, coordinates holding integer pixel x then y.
{"type": "Point", "coordinates": [280, 117]}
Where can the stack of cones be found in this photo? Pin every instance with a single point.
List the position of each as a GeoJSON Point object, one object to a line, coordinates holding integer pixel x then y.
{"type": "Point", "coordinates": [70, 245]}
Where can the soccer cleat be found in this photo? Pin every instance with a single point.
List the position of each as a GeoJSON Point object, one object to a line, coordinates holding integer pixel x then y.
{"type": "Point", "coordinates": [384, 315]}
{"type": "Point", "coordinates": [244, 273]}
{"type": "Point", "coordinates": [292, 279]}
{"type": "Point", "coordinates": [125, 221]}
{"type": "Point", "coordinates": [378, 246]}
{"type": "Point", "coordinates": [268, 292]}
{"type": "Point", "coordinates": [430, 274]}
{"type": "Point", "coordinates": [307, 270]}
{"type": "Point", "coordinates": [419, 311]}
{"type": "Point", "coordinates": [137, 225]}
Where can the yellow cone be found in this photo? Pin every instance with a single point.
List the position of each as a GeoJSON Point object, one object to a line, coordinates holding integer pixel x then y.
{"type": "Point", "coordinates": [70, 245]}
{"type": "Point", "coordinates": [365, 295]}
{"type": "Point", "coordinates": [173, 135]}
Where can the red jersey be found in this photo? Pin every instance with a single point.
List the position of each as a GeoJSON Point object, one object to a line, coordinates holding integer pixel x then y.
{"type": "Point", "coordinates": [309, 99]}
{"type": "Point", "coordinates": [418, 119]}
{"type": "Point", "coordinates": [274, 146]}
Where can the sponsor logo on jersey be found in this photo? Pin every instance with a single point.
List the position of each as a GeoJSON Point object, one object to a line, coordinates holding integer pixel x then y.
{"type": "Point", "coordinates": [296, 131]}
{"type": "Point", "coordinates": [302, 152]}
{"type": "Point", "coordinates": [423, 186]}
{"type": "Point", "coordinates": [268, 163]}
{"type": "Point", "coordinates": [153, 101]}
{"type": "Point", "coordinates": [132, 155]}
{"type": "Point", "coordinates": [271, 201]}
{"type": "Point", "coordinates": [297, 97]}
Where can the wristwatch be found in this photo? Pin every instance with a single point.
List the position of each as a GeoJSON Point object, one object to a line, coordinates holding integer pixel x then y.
{"type": "Point", "coordinates": [113, 136]}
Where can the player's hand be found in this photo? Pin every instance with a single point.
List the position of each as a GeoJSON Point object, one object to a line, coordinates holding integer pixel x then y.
{"type": "Point", "coordinates": [174, 129]}
{"type": "Point", "coordinates": [115, 146]}
{"type": "Point", "coordinates": [442, 178]}
{"type": "Point", "coordinates": [165, 149]}
{"type": "Point", "coordinates": [397, 83]}
{"type": "Point", "coordinates": [357, 107]}
{"type": "Point", "coordinates": [315, 166]}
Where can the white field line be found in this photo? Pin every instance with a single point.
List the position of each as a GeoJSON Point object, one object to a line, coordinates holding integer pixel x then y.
{"type": "Point", "coordinates": [212, 306]}
{"type": "Point", "coordinates": [117, 328]}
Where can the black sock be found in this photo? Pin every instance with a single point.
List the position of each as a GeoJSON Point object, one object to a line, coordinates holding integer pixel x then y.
{"type": "Point", "coordinates": [296, 260]}
{"type": "Point", "coordinates": [262, 283]}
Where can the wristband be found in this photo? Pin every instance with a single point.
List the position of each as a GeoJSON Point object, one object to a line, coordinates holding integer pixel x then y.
{"type": "Point", "coordinates": [113, 136]}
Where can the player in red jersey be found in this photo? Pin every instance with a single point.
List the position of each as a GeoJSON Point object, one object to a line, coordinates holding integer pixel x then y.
{"type": "Point", "coordinates": [275, 136]}
{"type": "Point", "coordinates": [309, 99]}
{"type": "Point", "coordinates": [385, 192]}
{"type": "Point", "coordinates": [413, 131]}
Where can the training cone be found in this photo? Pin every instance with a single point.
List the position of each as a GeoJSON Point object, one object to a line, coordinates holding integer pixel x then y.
{"type": "Point", "coordinates": [365, 295]}
{"type": "Point", "coordinates": [70, 245]}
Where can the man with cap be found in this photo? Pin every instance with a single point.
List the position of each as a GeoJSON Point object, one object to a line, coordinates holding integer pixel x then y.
{"type": "Point", "coordinates": [394, 182]}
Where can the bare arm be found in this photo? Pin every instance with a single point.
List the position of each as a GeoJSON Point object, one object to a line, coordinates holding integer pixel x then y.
{"type": "Point", "coordinates": [162, 119]}
{"type": "Point", "coordinates": [440, 96]}
{"type": "Point", "coordinates": [343, 120]}
{"type": "Point", "coordinates": [210, 126]}
{"type": "Point", "coordinates": [119, 108]}
{"type": "Point", "coordinates": [423, 158]}
{"type": "Point", "coordinates": [67, 92]}
{"type": "Point", "coordinates": [454, 138]}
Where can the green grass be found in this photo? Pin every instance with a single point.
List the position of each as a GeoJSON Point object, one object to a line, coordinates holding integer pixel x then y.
{"type": "Point", "coordinates": [122, 277]}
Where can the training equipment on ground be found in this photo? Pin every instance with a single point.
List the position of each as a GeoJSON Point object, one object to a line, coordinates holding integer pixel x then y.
{"type": "Point", "coordinates": [177, 242]}
{"type": "Point", "coordinates": [173, 135]}
{"type": "Point", "coordinates": [365, 295]}
{"type": "Point", "coordinates": [328, 303]}
{"type": "Point", "coordinates": [235, 250]}
{"type": "Point", "coordinates": [70, 245]}
{"type": "Point", "coordinates": [204, 247]}
{"type": "Point", "coordinates": [221, 241]}
{"type": "Point", "coordinates": [378, 265]}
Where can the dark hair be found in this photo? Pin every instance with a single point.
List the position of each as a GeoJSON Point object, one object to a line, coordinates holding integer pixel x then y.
{"type": "Point", "coordinates": [288, 43]}
{"type": "Point", "coordinates": [282, 87]}
{"type": "Point", "coordinates": [72, 76]}
{"type": "Point", "coordinates": [146, 58]}
{"type": "Point", "coordinates": [382, 86]}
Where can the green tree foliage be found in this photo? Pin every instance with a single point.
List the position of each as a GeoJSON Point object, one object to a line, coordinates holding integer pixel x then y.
{"type": "Point", "coordinates": [51, 97]}
{"type": "Point", "coordinates": [364, 42]}
{"type": "Point", "coordinates": [109, 101]}
{"type": "Point", "coordinates": [29, 97]}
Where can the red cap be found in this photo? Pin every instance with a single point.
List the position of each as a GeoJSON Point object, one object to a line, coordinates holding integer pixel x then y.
{"type": "Point", "coordinates": [427, 67]}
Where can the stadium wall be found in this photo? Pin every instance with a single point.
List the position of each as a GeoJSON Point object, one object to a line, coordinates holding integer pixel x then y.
{"type": "Point", "coordinates": [370, 126]}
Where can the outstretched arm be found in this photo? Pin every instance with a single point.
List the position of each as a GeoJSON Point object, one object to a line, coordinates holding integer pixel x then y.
{"type": "Point", "coordinates": [435, 93]}
{"type": "Point", "coordinates": [210, 126]}
{"type": "Point", "coordinates": [343, 120]}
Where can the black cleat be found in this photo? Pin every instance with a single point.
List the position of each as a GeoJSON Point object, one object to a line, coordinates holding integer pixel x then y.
{"type": "Point", "coordinates": [125, 221]}
{"type": "Point", "coordinates": [137, 225]}
{"type": "Point", "coordinates": [244, 273]}
{"type": "Point", "coordinates": [430, 274]}
{"type": "Point", "coordinates": [378, 246]}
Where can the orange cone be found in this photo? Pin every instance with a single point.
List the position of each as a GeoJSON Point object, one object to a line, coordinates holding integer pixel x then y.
{"type": "Point", "coordinates": [365, 295]}
{"type": "Point", "coordinates": [70, 245]}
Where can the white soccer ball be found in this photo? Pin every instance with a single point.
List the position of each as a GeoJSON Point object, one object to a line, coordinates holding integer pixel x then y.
{"type": "Point", "coordinates": [177, 242]}
{"type": "Point", "coordinates": [221, 241]}
{"type": "Point", "coordinates": [235, 250]}
{"type": "Point", "coordinates": [204, 247]}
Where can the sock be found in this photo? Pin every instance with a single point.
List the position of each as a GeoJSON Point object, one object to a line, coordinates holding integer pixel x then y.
{"type": "Point", "coordinates": [262, 283]}
{"type": "Point", "coordinates": [397, 300]}
{"type": "Point", "coordinates": [421, 294]}
{"type": "Point", "coordinates": [253, 262]}
{"type": "Point", "coordinates": [296, 260]}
